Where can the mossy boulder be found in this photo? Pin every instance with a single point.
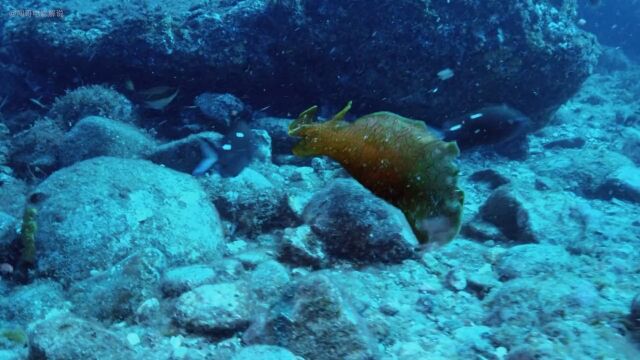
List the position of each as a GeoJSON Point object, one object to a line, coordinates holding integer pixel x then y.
{"type": "Point", "coordinates": [98, 211]}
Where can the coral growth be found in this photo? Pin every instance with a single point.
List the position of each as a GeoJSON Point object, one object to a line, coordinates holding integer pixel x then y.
{"type": "Point", "coordinates": [91, 100]}
{"type": "Point", "coordinates": [397, 159]}
{"type": "Point", "coordinates": [28, 237]}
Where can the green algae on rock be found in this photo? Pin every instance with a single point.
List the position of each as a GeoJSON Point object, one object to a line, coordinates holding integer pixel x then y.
{"type": "Point", "coordinates": [398, 159]}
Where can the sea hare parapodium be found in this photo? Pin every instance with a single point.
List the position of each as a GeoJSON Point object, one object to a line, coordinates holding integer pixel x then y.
{"type": "Point", "coordinates": [397, 159]}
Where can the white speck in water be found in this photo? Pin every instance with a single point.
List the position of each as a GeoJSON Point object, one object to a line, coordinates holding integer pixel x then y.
{"type": "Point", "coordinates": [455, 127]}
{"type": "Point", "coordinates": [133, 339]}
{"type": "Point", "coordinates": [445, 74]}
{"type": "Point", "coordinates": [239, 134]}
{"type": "Point", "coordinates": [226, 147]}
{"type": "Point", "coordinates": [476, 116]}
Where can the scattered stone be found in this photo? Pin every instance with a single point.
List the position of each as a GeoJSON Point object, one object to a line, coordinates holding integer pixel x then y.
{"type": "Point", "coordinates": [566, 143]}
{"type": "Point", "coordinates": [28, 303]}
{"type": "Point", "coordinates": [532, 302]}
{"type": "Point", "coordinates": [482, 282]}
{"type": "Point", "coordinates": [278, 129]}
{"type": "Point", "coordinates": [34, 151]}
{"type": "Point", "coordinates": [489, 176]}
{"type": "Point", "coordinates": [182, 279]}
{"type": "Point", "coordinates": [530, 260]}
{"type": "Point", "coordinates": [98, 136]}
{"type": "Point", "coordinates": [524, 215]}
{"type": "Point", "coordinates": [216, 309]}
{"type": "Point", "coordinates": [623, 184]}
{"type": "Point", "coordinates": [66, 337]}
{"type": "Point", "coordinates": [300, 246]}
{"type": "Point", "coordinates": [223, 110]}
{"type": "Point", "coordinates": [116, 293]}
{"type": "Point", "coordinates": [482, 230]}
{"type": "Point", "coordinates": [254, 203]}
{"type": "Point", "coordinates": [268, 281]}
{"type": "Point", "coordinates": [148, 312]}
{"type": "Point", "coordinates": [356, 225]}
{"type": "Point", "coordinates": [507, 212]}
{"type": "Point", "coordinates": [474, 340]}
{"type": "Point", "coordinates": [456, 280]}
{"type": "Point", "coordinates": [262, 146]}
{"type": "Point", "coordinates": [251, 258]}
{"type": "Point", "coordinates": [264, 352]}
{"type": "Point", "coordinates": [133, 339]}
{"type": "Point", "coordinates": [388, 310]}
{"type": "Point", "coordinates": [307, 321]}
{"type": "Point", "coordinates": [542, 184]}
{"type": "Point", "coordinates": [581, 171]}
{"type": "Point", "coordinates": [93, 213]}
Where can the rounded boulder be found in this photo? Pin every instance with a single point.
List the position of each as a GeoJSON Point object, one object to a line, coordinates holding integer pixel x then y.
{"type": "Point", "coordinates": [98, 211]}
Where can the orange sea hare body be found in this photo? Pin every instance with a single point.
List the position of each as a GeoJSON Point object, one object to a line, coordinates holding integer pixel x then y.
{"type": "Point", "coordinates": [397, 159]}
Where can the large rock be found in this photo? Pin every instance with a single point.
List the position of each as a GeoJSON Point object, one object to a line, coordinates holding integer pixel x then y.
{"type": "Point", "coordinates": [251, 201]}
{"type": "Point", "coordinates": [66, 337]}
{"type": "Point", "coordinates": [316, 322]}
{"type": "Point", "coordinates": [117, 293]}
{"type": "Point", "coordinates": [216, 309]}
{"type": "Point", "coordinates": [355, 224]}
{"type": "Point", "coordinates": [530, 55]}
{"type": "Point", "coordinates": [525, 215]}
{"type": "Point", "coordinates": [34, 151]}
{"type": "Point", "coordinates": [582, 171]}
{"type": "Point", "coordinates": [95, 213]}
{"type": "Point", "coordinates": [98, 136]}
{"type": "Point", "coordinates": [623, 184]}
{"type": "Point", "coordinates": [28, 303]}
{"type": "Point", "coordinates": [531, 302]}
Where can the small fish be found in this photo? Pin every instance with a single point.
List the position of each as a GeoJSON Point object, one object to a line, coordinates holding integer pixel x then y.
{"type": "Point", "coordinates": [37, 102]}
{"type": "Point", "coordinates": [230, 155]}
{"type": "Point", "coordinates": [445, 74]}
{"type": "Point", "coordinates": [128, 84]}
{"type": "Point", "coordinates": [159, 97]}
{"type": "Point", "coordinates": [488, 126]}
{"type": "Point", "coordinates": [209, 158]}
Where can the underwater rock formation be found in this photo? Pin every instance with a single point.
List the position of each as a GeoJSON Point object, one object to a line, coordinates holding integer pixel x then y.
{"type": "Point", "coordinates": [95, 136]}
{"type": "Point", "coordinates": [93, 213]}
{"type": "Point", "coordinates": [307, 320]}
{"type": "Point", "coordinates": [91, 100]}
{"type": "Point", "coordinates": [529, 54]}
{"type": "Point", "coordinates": [65, 336]}
{"type": "Point", "coordinates": [354, 224]}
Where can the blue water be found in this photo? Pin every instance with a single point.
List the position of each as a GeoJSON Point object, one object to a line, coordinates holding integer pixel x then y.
{"type": "Point", "coordinates": [319, 179]}
{"type": "Point", "coordinates": [615, 22]}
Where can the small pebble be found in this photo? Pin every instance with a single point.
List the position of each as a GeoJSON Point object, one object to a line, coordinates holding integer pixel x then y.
{"type": "Point", "coordinates": [133, 339]}
{"type": "Point", "coordinates": [457, 279]}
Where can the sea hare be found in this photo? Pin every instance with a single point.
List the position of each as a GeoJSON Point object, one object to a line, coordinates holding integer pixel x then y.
{"type": "Point", "coordinates": [397, 159]}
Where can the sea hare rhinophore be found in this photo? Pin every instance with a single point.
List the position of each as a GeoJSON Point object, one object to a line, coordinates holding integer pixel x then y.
{"type": "Point", "coordinates": [397, 159]}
